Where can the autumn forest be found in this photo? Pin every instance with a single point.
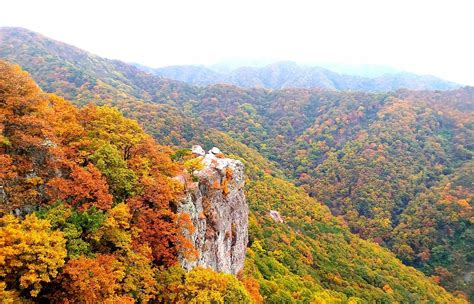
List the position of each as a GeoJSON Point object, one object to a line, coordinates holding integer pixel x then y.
{"type": "Point", "coordinates": [353, 195]}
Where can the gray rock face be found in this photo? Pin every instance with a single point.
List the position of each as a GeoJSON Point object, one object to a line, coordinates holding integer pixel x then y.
{"type": "Point", "coordinates": [275, 215]}
{"type": "Point", "coordinates": [218, 209]}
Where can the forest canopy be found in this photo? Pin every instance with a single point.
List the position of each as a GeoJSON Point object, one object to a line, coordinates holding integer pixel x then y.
{"type": "Point", "coordinates": [392, 168]}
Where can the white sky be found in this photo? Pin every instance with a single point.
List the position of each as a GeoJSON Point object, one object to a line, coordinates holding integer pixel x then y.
{"type": "Point", "coordinates": [429, 37]}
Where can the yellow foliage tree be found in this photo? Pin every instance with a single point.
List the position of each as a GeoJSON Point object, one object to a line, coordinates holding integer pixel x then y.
{"type": "Point", "coordinates": [116, 228]}
{"type": "Point", "coordinates": [201, 286]}
{"type": "Point", "coordinates": [108, 125]}
{"type": "Point", "coordinates": [30, 253]}
{"type": "Point", "coordinates": [139, 278]}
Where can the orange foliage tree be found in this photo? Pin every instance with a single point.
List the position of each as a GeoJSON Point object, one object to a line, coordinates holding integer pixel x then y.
{"type": "Point", "coordinates": [91, 280]}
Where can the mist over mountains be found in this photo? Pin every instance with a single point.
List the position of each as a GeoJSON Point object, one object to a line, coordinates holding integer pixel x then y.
{"type": "Point", "coordinates": [287, 74]}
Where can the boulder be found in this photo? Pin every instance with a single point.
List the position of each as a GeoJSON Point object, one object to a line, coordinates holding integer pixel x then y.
{"type": "Point", "coordinates": [215, 151]}
{"type": "Point", "coordinates": [198, 150]}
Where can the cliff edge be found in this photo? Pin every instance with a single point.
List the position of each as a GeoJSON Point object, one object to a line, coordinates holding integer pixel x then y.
{"type": "Point", "coordinates": [218, 209]}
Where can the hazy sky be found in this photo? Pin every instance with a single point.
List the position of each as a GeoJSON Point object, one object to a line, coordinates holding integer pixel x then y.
{"type": "Point", "coordinates": [431, 37]}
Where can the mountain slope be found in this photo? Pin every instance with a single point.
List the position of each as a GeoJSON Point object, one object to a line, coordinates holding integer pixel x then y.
{"type": "Point", "coordinates": [290, 75]}
{"type": "Point", "coordinates": [88, 206]}
{"type": "Point", "coordinates": [310, 256]}
{"type": "Point", "coordinates": [80, 71]}
{"type": "Point", "coordinates": [305, 132]}
{"type": "Point", "coordinates": [370, 157]}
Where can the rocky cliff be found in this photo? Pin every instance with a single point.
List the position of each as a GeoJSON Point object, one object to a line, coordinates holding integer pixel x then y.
{"type": "Point", "coordinates": [219, 212]}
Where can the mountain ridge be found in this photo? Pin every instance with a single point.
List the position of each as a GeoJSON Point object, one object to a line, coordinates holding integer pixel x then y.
{"type": "Point", "coordinates": [287, 74]}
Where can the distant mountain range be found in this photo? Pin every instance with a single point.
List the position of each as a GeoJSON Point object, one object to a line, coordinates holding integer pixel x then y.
{"type": "Point", "coordinates": [288, 74]}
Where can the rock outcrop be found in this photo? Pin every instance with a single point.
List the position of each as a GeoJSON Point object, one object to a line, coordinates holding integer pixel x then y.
{"type": "Point", "coordinates": [276, 217]}
{"type": "Point", "coordinates": [198, 150]}
{"type": "Point", "coordinates": [219, 212]}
